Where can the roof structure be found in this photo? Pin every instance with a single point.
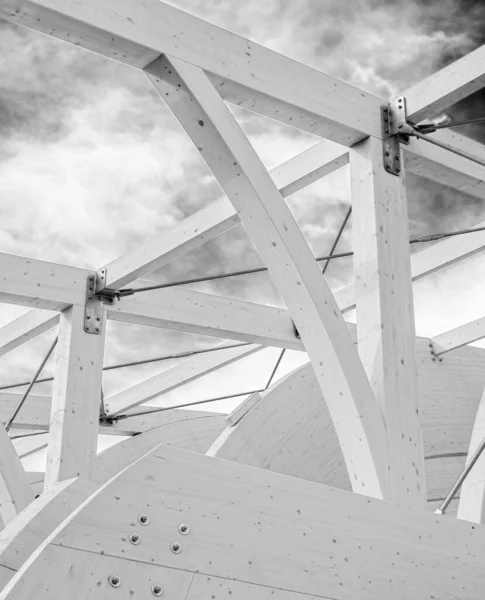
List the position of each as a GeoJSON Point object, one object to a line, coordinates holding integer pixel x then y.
{"type": "Point", "coordinates": [321, 485]}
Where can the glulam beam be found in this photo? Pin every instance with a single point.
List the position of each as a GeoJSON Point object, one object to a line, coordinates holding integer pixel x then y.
{"type": "Point", "coordinates": [459, 336]}
{"type": "Point", "coordinates": [222, 144]}
{"type": "Point", "coordinates": [73, 431]}
{"type": "Point", "coordinates": [385, 314]}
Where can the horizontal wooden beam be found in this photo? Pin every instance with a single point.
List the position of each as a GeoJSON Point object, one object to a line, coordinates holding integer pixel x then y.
{"type": "Point", "coordinates": [26, 327]}
{"type": "Point", "coordinates": [183, 309]}
{"type": "Point", "coordinates": [41, 284]}
{"type": "Point", "coordinates": [434, 94]}
{"type": "Point", "coordinates": [435, 258]}
{"type": "Point", "coordinates": [184, 372]}
{"type": "Point", "coordinates": [459, 336]}
{"type": "Point", "coordinates": [246, 73]}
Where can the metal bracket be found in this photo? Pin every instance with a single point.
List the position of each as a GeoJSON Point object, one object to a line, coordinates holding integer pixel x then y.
{"type": "Point", "coordinates": [395, 130]}
{"type": "Point", "coordinates": [93, 314]}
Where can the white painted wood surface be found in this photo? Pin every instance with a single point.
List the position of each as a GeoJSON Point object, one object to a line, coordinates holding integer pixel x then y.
{"type": "Point", "coordinates": [385, 313]}
{"type": "Point", "coordinates": [170, 379]}
{"type": "Point", "coordinates": [291, 265]}
{"type": "Point", "coordinates": [73, 431]}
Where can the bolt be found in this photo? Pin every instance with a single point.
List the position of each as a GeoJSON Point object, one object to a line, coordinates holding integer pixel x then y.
{"type": "Point", "coordinates": [114, 581]}
{"type": "Point", "coordinates": [143, 519]}
{"type": "Point", "coordinates": [398, 170]}
{"type": "Point", "coordinates": [157, 590]}
{"type": "Point", "coordinates": [88, 317]}
{"type": "Point", "coordinates": [135, 538]}
{"type": "Point", "coordinates": [98, 329]}
{"type": "Point", "coordinates": [397, 157]}
{"type": "Point", "coordinates": [387, 153]}
{"type": "Point", "coordinates": [98, 319]}
{"type": "Point", "coordinates": [386, 119]}
{"type": "Point", "coordinates": [385, 109]}
{"type": "Point", "coordinates": [91, 278]}
{"type": "Point", "coordinates": [175, 547]}
{"type": "Point", "coordinates": [389, 164]}
{"type": "Point", "coordinates": [399, 126]}
{"type": "Point", "coordinates": [184, 529]}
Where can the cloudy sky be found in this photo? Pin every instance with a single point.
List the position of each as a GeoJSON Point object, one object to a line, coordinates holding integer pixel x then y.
{"type": "Point", "coordinates": [92, 163]}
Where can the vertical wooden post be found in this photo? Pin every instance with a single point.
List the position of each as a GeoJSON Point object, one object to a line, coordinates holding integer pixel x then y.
{"type": "Point", "coordinates": [385, 313]}
{"type": "Point", "coordinates": [76, 399]}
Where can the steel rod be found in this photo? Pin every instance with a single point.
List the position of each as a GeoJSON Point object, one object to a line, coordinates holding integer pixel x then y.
{"type": "Point", "coordinates": [337, 238]}
{"type": "Point", "coordinates": [24, 435]}
{"type": "Point", "coordinates": [273, 372]}
{"type": "Point", "coordinates": [31, 385]}
{"type": "Point", "coordinates": [139, 362]}
{"type": "Point", "coordinates": [430, 127]}
{"type": "Point", "coordinates": [461, 479]}
{"type": "Point", "coordinates": [164, 408]}
{"type": "Point", "coordinates": [161, 286]}
{"type": "Point", "coordinates": [449, 148]}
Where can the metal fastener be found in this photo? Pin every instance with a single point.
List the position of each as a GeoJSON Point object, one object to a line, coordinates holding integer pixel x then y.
{"type": "Point", "coordinates": [157, 590]}
{"type": "Point", "coordinates": [143, 519]}
{"type": "Point", "coordinates": [114, 580]}
{"type": "Point", "coordinates": [175, 547]}
{"type": "Point", "coordinates": [184, 529]}
{"type": "Point", "coordinates": [135, 538]}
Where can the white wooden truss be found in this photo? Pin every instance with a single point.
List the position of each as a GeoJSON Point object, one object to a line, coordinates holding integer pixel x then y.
{"type": "Point", "coordinates": [389, 418]}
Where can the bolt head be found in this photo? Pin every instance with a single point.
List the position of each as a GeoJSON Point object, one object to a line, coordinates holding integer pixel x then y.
{"type": "Point", "coordinates": [175, 547]}
{"type": "Point", "coordinates": [184, 529]}
{"type": "Point", "coordinates": [135, 538]}
{"type": "Point", "coordinates": [157, 590]}
{"type": "Point", "coordinates": [398, 170]}
{"type": "Point", "coordinates": [114, 581]}
{"type": "Point", "coordinates": [143, 519]}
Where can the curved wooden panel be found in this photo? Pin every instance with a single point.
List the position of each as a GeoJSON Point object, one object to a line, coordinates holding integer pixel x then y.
{"type": "Point", "coordinates": [290, 430]}
{"type": "Point", "coordinates": [251, 527]}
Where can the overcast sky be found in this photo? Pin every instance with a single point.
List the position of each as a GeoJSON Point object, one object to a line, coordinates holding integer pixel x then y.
{"type": "Point", "coordinates": [92, 163]}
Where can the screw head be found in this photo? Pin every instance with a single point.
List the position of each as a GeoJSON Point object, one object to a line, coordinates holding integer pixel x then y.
{"type": "Point", "coordinates": [143, 519]}
{"type": "Point", "coordinates": [98, 329]}
{"type": "Point", "coordinates": [114, 581]}
{"type": "Point", "coordinates": [175, 547]}
{"type": "Point", "coordinates": [91, 278]}
{"type": "Point", "coordinates": [135, 538]}
{"type": "Point", "coordinates": [398, 170]}
{"type": "Point", "coordinates": [157, 590]}
{"type": "Point", "coordinates": [397, 157]}
{"type": "Point", "coordinates": [184, 529]}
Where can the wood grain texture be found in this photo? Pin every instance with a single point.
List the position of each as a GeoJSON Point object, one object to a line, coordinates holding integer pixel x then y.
{"type": "Point", "coordinates": [256, 527]}
{"type": "Point", "coordinates": [291, 265]}
{"type": "Point", "coordinates": [385, 313]}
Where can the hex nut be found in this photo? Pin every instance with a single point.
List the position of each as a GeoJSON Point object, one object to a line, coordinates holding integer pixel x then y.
{"type": "Point", "coordinates": [184, 529]}
{"type": "Point", "coordinates": [157, 590]}
{"type": "Point", "coordinates": [175, 547]}
{"type": "Point", "coordinates": [143, 519]}
{"type": "Point", "coordinates": [114, 581]}
{"type": "Point", "coordinates": [135, 538]}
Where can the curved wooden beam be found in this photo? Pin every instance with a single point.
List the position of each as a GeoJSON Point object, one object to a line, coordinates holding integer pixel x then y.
{"type": "Point", "coordinates": [248, 527]}
{"type": "Point", "coordinates": [289, 430]}
{"type": "Point", "coordinates": [292, 267]}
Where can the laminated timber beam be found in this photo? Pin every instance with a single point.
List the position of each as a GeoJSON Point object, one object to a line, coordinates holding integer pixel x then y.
{"type": "Point", "coordinates": [296, 549]}
{"type": "Point", "coordinates": [255, 78]}
{"type": "Point", "coordinates": [216, 218]}
{"type": "Point", "coordinates": [459, 336]}
{"type": "Point", "coordinates": [24, 328]}
{"type": "Point", "coordinates": [73, 430]}
{"type": "Point", "coordinates": [434, 94]}
{"type": "Point", "coordinates": [385, 315]}
{"type": "Point", "coordinates": [292, 267]}
{"type": "Point", "coordinates": [15, 491]}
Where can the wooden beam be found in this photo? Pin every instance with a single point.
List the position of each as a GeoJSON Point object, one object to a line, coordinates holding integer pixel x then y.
{"type": "Point", "coordinates": [385, 314]}
{"type": "Point", "coordinates": [250, 75]}
{"type": "Point", "coordinates": [40, 284]}
{"type": "Point", "coordinates": [15, 491]}
{"type": "Point", "coordinates": [290, 177]}
{"type": "Point", "coordinates": [184, 372]}
{"type": "Point", "coordinates": [356, 538]}
{"type": "Point", "coordinates": [73, 431]}
{"type": "Point", "coordinates": [292, 267]}
{"type": "Point", "coordinates": [434, 94]}
{"type": "Point", "coordinates": [435, 258]}
{"type": "Point", "coordinates": [471, 506]}
{"type": "Point", "coordinates": [458, 337]}
{"type": "Point", "coordinates": [183, 309]}
{"type": "Point", "coordinates": [24, 328]}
